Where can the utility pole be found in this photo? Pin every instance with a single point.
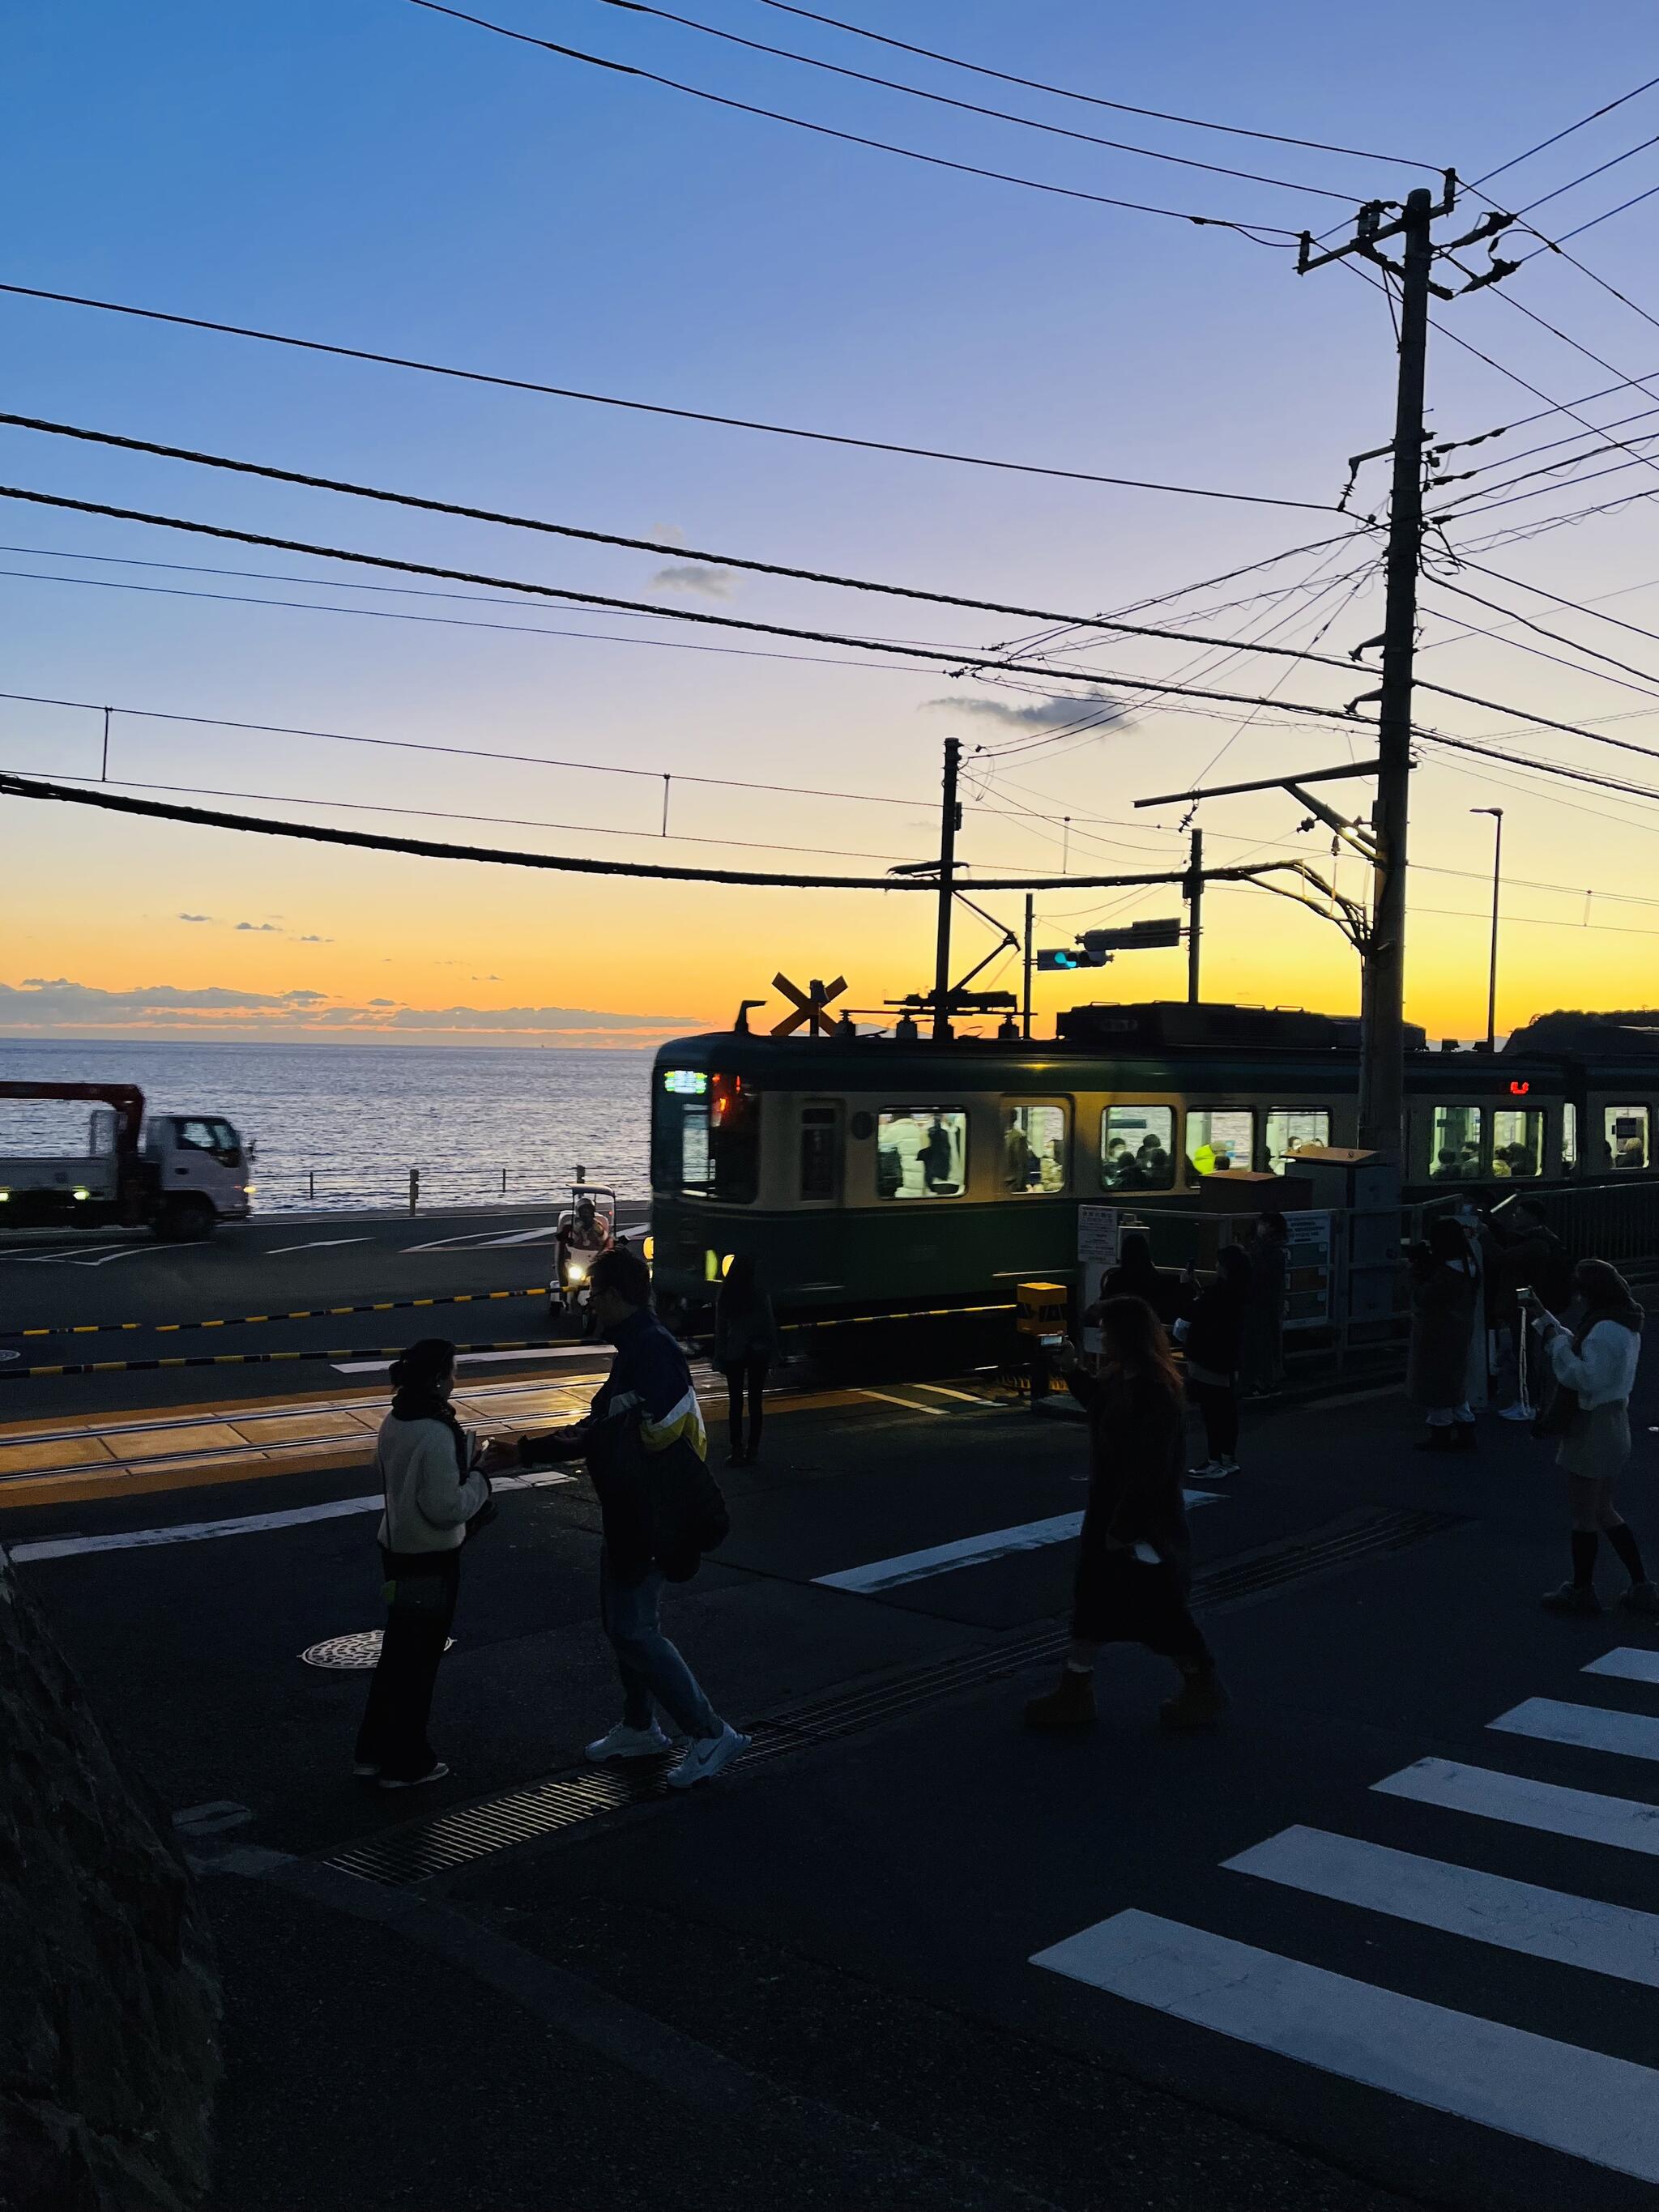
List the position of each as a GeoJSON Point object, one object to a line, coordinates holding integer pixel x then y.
{"type": "Point", "coordinates": [949, 821]}
{"type": "Point", "coordinates": [1383, 1058]}
{"type": "Point", "coordinates": [1497, 814]}
{"type": "Point", "coordinates": [1193, 890]}
{"type": "Point", "coordinates": [1026, 994]}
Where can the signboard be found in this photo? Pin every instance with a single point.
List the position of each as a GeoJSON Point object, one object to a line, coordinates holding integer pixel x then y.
{"type": "Point", "coordinates": [1308, 1304]}
{"type": "Point", "coordinates": [1098, 1230]}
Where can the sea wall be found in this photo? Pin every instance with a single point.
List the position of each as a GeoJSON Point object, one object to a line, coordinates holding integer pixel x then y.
{"type": "Point", "coordinates": [108, 1999]}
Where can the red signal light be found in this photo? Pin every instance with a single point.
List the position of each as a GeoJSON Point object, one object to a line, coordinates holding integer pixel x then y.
{"type": "Point", "coordinates": [1519, 1090]}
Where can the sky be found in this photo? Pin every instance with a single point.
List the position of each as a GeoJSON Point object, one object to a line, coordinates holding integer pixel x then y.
{"type": "Point", "coordinates": [384, 176]}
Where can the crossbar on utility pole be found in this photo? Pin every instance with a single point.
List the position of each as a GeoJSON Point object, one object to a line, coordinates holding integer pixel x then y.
{"type": "Point", "coordinates": [947, 863]}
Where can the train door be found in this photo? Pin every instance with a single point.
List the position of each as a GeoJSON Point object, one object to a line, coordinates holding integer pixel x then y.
{"type": "Point", "coordinates": [819, 1152]}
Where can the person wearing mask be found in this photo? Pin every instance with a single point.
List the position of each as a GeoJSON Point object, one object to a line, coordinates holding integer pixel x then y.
{"type": "Point", "coordinates": [1134, 1554]}
{"type": "Point", "coordinates": [1262, 1367]}
{"type": "Point", "coordinates": [745, 1345]}
{"type": "Point", "coordinates": [1212, 1334]}
{"type": "Point", "coordinates": [1135, 1276]}
{"type": "Point", "coordinates": [649, 1391]}
{"type": "Point", "coordinates": [1442, 1297]}
{"type": "Point", "coordinates": [1595, 1361]}
{"type": "Point", "coordinates": [435, 1492]}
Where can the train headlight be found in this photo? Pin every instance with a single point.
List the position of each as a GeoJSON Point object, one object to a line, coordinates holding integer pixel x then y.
{"type": "Point", "coordinates": [648, 1247]}
{"type": "Point", "coordinates": [81, 1191]}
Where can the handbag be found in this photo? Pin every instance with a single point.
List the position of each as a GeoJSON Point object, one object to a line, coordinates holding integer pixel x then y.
{"type": "Point", "coordinates": [665, 1506]}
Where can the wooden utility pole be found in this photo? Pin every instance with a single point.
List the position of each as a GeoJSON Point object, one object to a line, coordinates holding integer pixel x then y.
{"type": "Point", "coordinates": [1194, 889]}
{"type": "Point", "coordinates": [1025, 993]}
{"type": "Point", "coordinates": [949, 821]}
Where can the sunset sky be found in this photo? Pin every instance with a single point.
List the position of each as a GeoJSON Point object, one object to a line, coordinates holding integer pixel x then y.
{"type": "Point", "coordinates": [381, 176]}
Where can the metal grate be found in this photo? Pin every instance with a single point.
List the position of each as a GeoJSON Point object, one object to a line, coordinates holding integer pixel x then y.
{"type": "Point", "coordinates": [421, 1848]}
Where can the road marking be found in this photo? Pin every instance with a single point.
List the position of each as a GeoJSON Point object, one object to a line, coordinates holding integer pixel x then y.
{"type": "Point", "coordinates": [908, 1404]}
{"type": "Point", "coordinates": [546, 1235]}
{"type": "Point", "coordinates": [320, 1244]}
{"type": "Point", "coordinates": [1593, 2107]}
{"type": "Point", "coordinates": [448, 1244]}
{"type": "Point", "coordinates": [481, 1359]}
{"type": "Point", "coordinates": [1627, 1665]}
{"type": "Point", "coordinates": [129, 1252]}
{"type": "Point", "coordinates": [1621, 1822]}
{"type": "Point", "coordinates": [968, 1397]}
{"type": "Point", "coordinates": [1487, 1908]}
{"type": "Point", "coordinates": [247, 1524]}
{"type": "Point", "coordinates": [1589, 1728]}
{"type": "Point", "coordinates": [67, 1254]}
{"type": "Point", "coordinates": [967, 1552]}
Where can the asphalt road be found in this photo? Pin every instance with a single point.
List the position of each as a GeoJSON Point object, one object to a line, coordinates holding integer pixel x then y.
{"type": "Point", "coordinates": [931, 1959]}
{"type": "Point", "coordinates": [274, 1264]}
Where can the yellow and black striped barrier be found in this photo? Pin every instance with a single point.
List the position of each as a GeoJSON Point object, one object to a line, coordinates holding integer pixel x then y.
{"type": "Point", "coordinates": [911, 1313]}
{"type": "Point", "coordinates": [295, 1313]}
{"type": "Point", "coordinates": [265, 1358]}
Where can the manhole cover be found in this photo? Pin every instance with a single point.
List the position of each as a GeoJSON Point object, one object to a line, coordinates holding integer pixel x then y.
{"type": "Point", "coordinates": [361, 1650]}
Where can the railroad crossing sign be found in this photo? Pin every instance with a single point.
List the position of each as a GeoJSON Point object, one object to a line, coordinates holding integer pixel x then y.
{"type": "Point", "coordinates": [809, 1004]}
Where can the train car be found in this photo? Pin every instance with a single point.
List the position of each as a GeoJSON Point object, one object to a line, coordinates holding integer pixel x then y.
{"type": "Point", "coordinates": [880, 1175]}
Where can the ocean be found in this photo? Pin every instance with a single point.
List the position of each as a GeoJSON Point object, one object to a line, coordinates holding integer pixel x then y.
{"type": "Point", "coordinates": [341, 1126]}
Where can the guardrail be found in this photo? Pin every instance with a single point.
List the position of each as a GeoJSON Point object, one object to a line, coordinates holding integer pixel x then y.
{"type": "Point", "coordinates": [391, 1182]}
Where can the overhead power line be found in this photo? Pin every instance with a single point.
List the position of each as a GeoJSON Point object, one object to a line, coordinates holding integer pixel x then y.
{"type": "Point", "coordinates": [1599, 170]}
{"type": "Point", "coordinates": [969, 106]}
{"type": "Point", "coordinates": [1578, 606]}
{"type": "Point", "coordinates": [1555, 139]}
{"type": "Point", "coordinates": [641, 406]}
{"type": "Point", "coordinates": [12, 785]}
{"type": "Point", "coordinates": [853, 137]}
{"type": "Point", "coordinates": [941, 655]}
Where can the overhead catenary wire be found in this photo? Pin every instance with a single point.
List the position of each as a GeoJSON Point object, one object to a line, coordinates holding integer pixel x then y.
{"type": "Point", "coordinates": [1275, 233]}
{"type": "Point", "coordinates": [1601, 169]}
{"type": "Point", "coordinates": [1555, 139]}
{"type": "Point", "coordinates": [969, 106]}
{"type": "Point", "coordinates": [383, 360]}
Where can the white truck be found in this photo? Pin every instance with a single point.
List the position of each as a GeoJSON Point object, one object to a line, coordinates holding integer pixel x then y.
{"type": "Point", "coordinates": [180, 1174]}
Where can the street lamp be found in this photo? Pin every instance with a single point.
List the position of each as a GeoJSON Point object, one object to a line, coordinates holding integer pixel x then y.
{"type": "Point", "coordinates": [1497, 814]}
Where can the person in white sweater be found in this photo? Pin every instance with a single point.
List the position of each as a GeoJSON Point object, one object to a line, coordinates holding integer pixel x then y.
{"type": "Point", "coordinates": [1596, 1361]}
{"type": "Point", "coordinates": [434, 1494]}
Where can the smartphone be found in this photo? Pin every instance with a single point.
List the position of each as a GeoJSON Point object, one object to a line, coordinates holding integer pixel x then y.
{"type": "Point", "coordinates": [1051, 1343]}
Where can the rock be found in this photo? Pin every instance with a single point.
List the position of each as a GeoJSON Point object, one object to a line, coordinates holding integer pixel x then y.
{"type": "Point", "coordinates": [108, 2028]}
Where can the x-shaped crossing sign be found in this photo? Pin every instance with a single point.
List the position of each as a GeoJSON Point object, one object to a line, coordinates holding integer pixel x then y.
{"type": "Point", "coordinates": [809, 1005]}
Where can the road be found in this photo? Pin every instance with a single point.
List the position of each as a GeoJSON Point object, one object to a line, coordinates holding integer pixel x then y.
{"type": "Point", "coordinates": [1388, 1937]}
{"type": "Point", "coordinates": [123, 1298]}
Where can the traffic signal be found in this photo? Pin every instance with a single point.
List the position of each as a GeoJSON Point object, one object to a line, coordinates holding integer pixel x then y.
{"type": "Point", "coordinates": [1064, 956]}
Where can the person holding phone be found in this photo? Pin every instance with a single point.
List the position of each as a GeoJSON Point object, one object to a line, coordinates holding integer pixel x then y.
{"type": "Point", "coordinates": [1134, 1554]}
{"type": "Point", "coordinates": [435, 1492]}
{"type": "Point", "coordinates": [1595, 1363]}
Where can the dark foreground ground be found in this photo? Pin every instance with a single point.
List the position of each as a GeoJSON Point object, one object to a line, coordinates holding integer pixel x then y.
{"type": "Point", "coordinates": [813, 1982]}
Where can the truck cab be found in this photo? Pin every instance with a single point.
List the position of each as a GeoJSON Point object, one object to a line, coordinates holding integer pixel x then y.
{"type": "Point", "coordinates": [197, 1167]}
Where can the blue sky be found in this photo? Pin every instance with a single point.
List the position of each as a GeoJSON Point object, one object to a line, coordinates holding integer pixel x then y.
{"type": "Point", "coordinates": [379, 174]}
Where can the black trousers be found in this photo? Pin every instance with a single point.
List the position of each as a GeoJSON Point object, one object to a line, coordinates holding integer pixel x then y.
{"type": "Point", "coordinates": [422, 1605]}
{"type": "Point", "coordinates": [752, 1372]}
{"type": "Point", "coordinates": [1217, 1406]}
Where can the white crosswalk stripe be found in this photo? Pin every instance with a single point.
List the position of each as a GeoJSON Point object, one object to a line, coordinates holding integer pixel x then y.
{"type": "Point", "coordinates": [1591, 2103]}
{"type": "Point", "coordinates": [969, 1552]}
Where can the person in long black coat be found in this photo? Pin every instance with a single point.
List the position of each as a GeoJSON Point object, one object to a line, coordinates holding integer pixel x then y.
{"type": "Point", "coordinates": [1134, 1554]}
{"type": "Point", "coordinates": [1211, 1335]}
{"type": "Point", "coordinates": [1444, 1287]}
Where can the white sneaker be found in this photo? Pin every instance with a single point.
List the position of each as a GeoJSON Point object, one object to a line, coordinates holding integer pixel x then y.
{"type": "Point", "coordinates": [1211, 1471]}
{"type": "Point", "coordinates": [1517, 1413]}
{"type": "Point", "coordinates": [624, 1742]}
{"type": "Point", "coordinates": [706, 1755]}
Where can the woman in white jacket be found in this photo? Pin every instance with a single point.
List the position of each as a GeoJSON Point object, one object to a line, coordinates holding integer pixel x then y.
{"type": "Point", "coordinates": [1596, 1361]}
{"type": "Point", "coordinates": [433, 1493]}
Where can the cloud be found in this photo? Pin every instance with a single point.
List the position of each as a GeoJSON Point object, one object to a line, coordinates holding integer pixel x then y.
{"type": "Point", "coordinates": [57, 1006]}
{"type": "Point", "coordinates": [260, 928]}
{"type": "Point", "coordinates": [196, 917]}
{"type": "Point", "coordinates": [692, 576]}
{"type": "Point", "coordinates": [486, 979]}
{"type": "Point", "coordinates": [1052, 714]}
{"type": "Point", "coordinates": [312, 940]}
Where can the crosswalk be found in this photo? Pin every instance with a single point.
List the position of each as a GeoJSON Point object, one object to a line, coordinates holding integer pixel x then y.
{"type": "Point", "coordinates": [1592, 2105]}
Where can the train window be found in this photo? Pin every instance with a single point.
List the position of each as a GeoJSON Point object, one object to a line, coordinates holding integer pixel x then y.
{"type": "Point", "coordinates": [817, 1152]}
{"type": "Point", "coordinates": [1034, 1147]}
{"type": "Point", "coordinates": [1216, 1142]}
{"type": "Point", "coordinates": [1517, 1143]}
{"type": "Point", "coordinates": [921, 1152]}
{"type": "Point", "coordinates": [1137, 1148]}
{"type": "Point", "coordinates": [1456, 1144]}
{"type": "Point", "coordinates": [1569, 1140]}
{"type": "Point", "coordinates": [1624, 1134]}
{"type": "Point", "coordinates": [704, 1136]}
{"type": "Point", "coordinates": [1291, 1128]}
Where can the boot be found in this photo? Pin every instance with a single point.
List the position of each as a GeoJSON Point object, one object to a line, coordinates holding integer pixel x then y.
{"type": "Point", "coordinates": [1435, 1440]}
{"type": "Point", "coordinates": [1572, 1597]}
{"type": "Point", "coordinates": [1199, 1703]}
{"type": "Point", "coordinates": [1640, 1597]}
{"type": "Point", "coordinates": [1069, 1707]}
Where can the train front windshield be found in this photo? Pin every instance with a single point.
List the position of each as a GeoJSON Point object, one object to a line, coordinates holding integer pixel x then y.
{"type": "Point", "coordinates": [705, 1135]}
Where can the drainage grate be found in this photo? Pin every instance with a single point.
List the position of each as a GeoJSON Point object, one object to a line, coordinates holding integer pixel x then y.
{"type": "Point", "coordinates": [424, 1848]}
